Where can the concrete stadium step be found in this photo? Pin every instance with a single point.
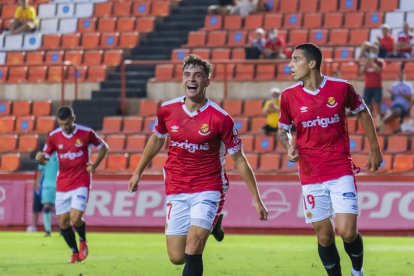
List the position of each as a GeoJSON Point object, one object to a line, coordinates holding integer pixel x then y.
{"type": "Point", "coordinates": [90, 113]}
{"type": "Point", "coordinates": [152, 57]}
{"type": "Point", "coordinates": [131, 75]}
{"type": "Point", "coordinates": [204, 3]}
{"type": "Point", "coordinates": [129, 84]}
{"type": "Point", "coordinates": [116, 93]}
{"type": "Point", "coordinates": [151, 50]}
{"type": "Point", "coordinates": [189, 10]}
{"type": "Point", "coordinates": [157, 41]}
{"type": "Point", "coordinates": [168, 33]}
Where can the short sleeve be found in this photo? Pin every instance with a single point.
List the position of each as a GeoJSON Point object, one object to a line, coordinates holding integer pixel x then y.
{"type": "Point", "coordinates": [230, 136]}
{"type": "Point", "coordinates": [96, 140]}
{"type": "Point", "coordinates": [285, 119]}
{"type": "Point", "coordinates": [354, 101]}
{"type": "Point", "coordinates": [159, 128]}
{"type": "Point", "coordinates": [49, 147]}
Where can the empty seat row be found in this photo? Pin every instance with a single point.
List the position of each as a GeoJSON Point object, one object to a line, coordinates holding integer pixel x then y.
{"type": "Point", "coordinates": [110, 57]}
{"type": "Point", "coordinates": [19, 143]}
{"type": "Point", "coordinates": [27, 124]}
{"type": "Point", "coordinates": [10, 162]}
{"type": "Point", "coordinates": [25, 107]}
{"type": "Point", "coordinates": [114, 24]}
{"type": "Point", "coordinates": [135, 8]}
{"type": "Point", "coordinates": [52, 74]}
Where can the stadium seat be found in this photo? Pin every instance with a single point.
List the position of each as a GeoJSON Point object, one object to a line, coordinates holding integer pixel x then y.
{"type": "Point", "coordinates": [116, 142]}
{"type": "Point", "coordinates": [141, 8]}
{"type": "Point", "coordinates": [229, 165]}
{"type": "Point", "coordinates": [132, 124]}
{"type": "Point", "coordinates": [232, 22]}
{"type": "Point", "coordinates": [8, 142]}
{"type": "Point", "coordinates": [7, 124]}
{"type": "Point", "coordinates": [202, 52]}
{"type": "Point", "coordinates": [219, 72]}
{"type": "Point", "coordinates": [348, 5]}
{"type": "Point", "coordinates": [196, 39]}
{"type": "Point", "coordinates": [15, 57]}
{"type": "Point", "coordinates": [318, 36]}
{"type": "Point", "coordinates": [45, 124]}
{"type": "Point", "coordinates": [264, 143]}
{"type": "Point", "coordinates": [7, 11]}
{"type": "Point", "coordinates": [286, 6]}
{"type": "Point", "coordinates": [4, 70]}
{"type": "Point", "coordinates": [236, 39]}
{"type": "Point", "coordinates": [92, 57]}
{"type": "Point", "coordinates": [22, 107]}
{"type": "Point", "coordinates": [287, 165]}
{"type": "Point", "coordinates": [51, 41]}
{"type": "Point", "coordinates": [135, 143]}
{"type": "Point", "coordinates": [10, 162]}
{"type": "Point", "coordinates": [354, 20]}
{"type": "Point", "coordinates": [308, 6]}
{"type": "Point", "coordinates": [157, 163]}
{"type": "Point", "coordinates": [358, 36]}
{"type": "Point", "coordinates": [74, 56]}
{"type": "Point", "coordinates": [90, 40]}
{"type": "Point", "coordinates": [328, 6]}
{"type": "Point", "coordinates": [391, 70]}
{"type": "Point", "coordinates": [381, 142]}
{"type": "Point", "coordinates": [397, 144]}
{"type": "Point", "coordinates": [68, 25]}
{"type": "Point", "coordinates": [55, 74]}
{"type": "Point", "coordinates": [28, 143]}
{"type": "Point", "coordinates": [373, 19]}
{"type": "Point", "coordinates": [213, 22]}
{"type": "Point", "coordinates": [96, 73]}
{"type": "Point", "coordinates": [355, 142]}
{"type": "Point", "coordinates": [253, 107]}
{"type": "Point", "coordinates": [265, 72]}
{"type": "Point", "coordinates": [253, 159]}
{"type": "Point", "coordinates": [145, 24]}
{"type": "Point", "coordinates": [112, 124]}
{"type": "Point", "coordinates": [339, 37]}
{"type": "Point", "coordinates": [344, 52]}
{"type": "Point", "coordinates": [103, 9]}
{"type": "Point", "coordinates": [389, 5]}
{"type": "Point", "coordinates": [349, 70]}
{"type": "Point", "coordinates": [216, 39]}
{"type": "Point", "coordinates": [107, 24]}
{"type": "Point", "coordinates": [35, 57]}
{"type": "Point", "coordinates": [54, 56]}
{"type": "Point", "coordinates": [122, 8]}
{"type": "Point", "coordinates": [109, 40]}
{"type": "Point", "coordinates": [40, 107]}
{"type": "Point", "coordinates": [253, 21]}
{"type": "Point", "coordinates": [117, 162]}
{"type": "Point", "coordinates": [241, 123]}
{"type": "Point", "coordinates": [125, 24]}
{"type": "Point", "coordinates": [284, 72]}
{"type": "Point", "coordinates": [233, 106]}
{"type": "Point", "coordinates": [272, 20]}
{"type": "Point", "coordinates": [312, 21]}
{"type": "Point", "coordinates": [403, 163]}
{"type": "Point", "coordinates": [248, 142]}
{"type": "Point", "coordinates": [160, 8]}
{"type": "Point", "coordinates": [148, 107]}
{"type": "Point", "coordinates": [220, 54]}
{"type": "Point", "coordinates": [133, 161]}
{"type": "Point", "coordinates": [238, 54]}
{"type": "Point", "coordinates": [352, 125]}
{"type": "Point", "coordinates": [164, 72]}
{"type": "Point", "coordinates": [244, 72]}
{"type": "Point", "coordinates": [70, 41]}
{"type": "Point", "coordinates": [79, 74]}
{"type": "Point", "coordinates": [178, 72]}
{"type": "Point", "coordinates": [179, 54]}
{"type": "Point", "coordinates": [25, 124]}
{"type": "Point", "coordinates": [292, 21]}
{"type": "Point", "coordinates": [128, 40]}
{"type": "Point", "coordinates": [87, 24]}
{"type": "Point", "coordinates": [83, 10]}
{"type": "Point", "coordinates": [394, 19]}
{"type": "Point", "coordinates": [256, 125]}
{"type": "Point", "coordinates": [112, 57]}
{"type": "Point", "coordinates": [332, 19]}
{"type": "Point", "coordinates": [269, 162]}
{"type": "Point", "coordinates": [17, 74]}
{"type": "Point", "coordinates": [102, 165]}
{"type": "Point", "coordinates": [297, 37]}
{"type": "Point", "coordinates": [5, 108]}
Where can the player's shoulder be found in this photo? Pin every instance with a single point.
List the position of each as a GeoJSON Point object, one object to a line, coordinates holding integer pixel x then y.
{"type": "Point", "coordinates": [172, 102]}
{"type": "Point", "coordinates": [55, 132]}
{"type": "Point", "coordinates": [216, 108]}
{"type": "Point", "coordinates": [292, 89]}
{"type": "Point", "coordinates": [83, 128]}
{"type": "Point", "coordinates": [336, 83]}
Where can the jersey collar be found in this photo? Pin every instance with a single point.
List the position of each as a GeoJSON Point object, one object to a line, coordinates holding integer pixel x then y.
{"type": "Point", "coordinates": [316, 92]}
{"type": "Point", "coordinates": [75, 129]}
{"type": "Point", "coordinates": [194, 113]}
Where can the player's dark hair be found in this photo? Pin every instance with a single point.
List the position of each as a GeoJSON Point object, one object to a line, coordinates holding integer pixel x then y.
{"type": "Point", "coordinates": [311, 52]}
{"type": "Point", "coordinates": [194, 60]}
{"type": "Point", "coordinates": [65, 112]}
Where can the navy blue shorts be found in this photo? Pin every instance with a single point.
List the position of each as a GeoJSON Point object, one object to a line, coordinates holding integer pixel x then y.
{"type": "Point", "coordinates": [37, 202]}
{"type": "Point", "coordinates": [372, 94]}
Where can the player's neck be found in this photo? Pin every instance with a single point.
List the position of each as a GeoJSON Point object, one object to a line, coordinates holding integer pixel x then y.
{"type": "Point", "coordinates": [194, 105]}
{"type": "Point", "coordinates": [313, 82]}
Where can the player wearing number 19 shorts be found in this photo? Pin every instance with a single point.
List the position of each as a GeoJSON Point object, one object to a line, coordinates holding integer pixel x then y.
{"type": "Point", "coordinates": [317, 106]}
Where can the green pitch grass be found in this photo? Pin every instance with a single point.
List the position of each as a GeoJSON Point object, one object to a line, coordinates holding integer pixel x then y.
{"type": "Point", "coordinates": [145, 254]}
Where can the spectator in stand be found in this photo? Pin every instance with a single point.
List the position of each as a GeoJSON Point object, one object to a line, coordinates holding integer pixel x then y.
{"type": "Point", "coordinates": [271, 109]}
{"type": "Point", "coordinates": [257, 46]}
{"type": "Point", "coordinates": [25, 19]}
{"type": "Point", "coordinates": [405, 41]}
{"type": "Point", "coordinates": [386, 41]}
{"type": "Point", "coordinates": [401, 96]}
{"type": "Point", "coordinates": [244, 7]}
{"type": "Point", "coordinates": [223, 7]}
{"type": "Point", "coordinates": [372, 68]}
{"type": "Point", "coordinates": [274, 46]}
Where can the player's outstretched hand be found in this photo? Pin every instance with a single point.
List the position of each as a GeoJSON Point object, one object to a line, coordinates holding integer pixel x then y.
{"type": "Point", "coordinates": [374, 160]}
{"type": "Point", "coordinates": [90, 168]}
{"type": "Point", "coordinates": [293, 154]}
{"type": "Point", "coordinates": [133, 183]}
{"type": "Point", "coordinates": [261, 209]}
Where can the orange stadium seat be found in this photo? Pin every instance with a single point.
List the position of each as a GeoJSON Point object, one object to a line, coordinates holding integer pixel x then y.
{"type": "Point", "coordinates": [368, 5]}
{"type": "Point", "coordinates": [5, 108]}
{"type": "Point", "coordinates": [92, 57]}
{"type": "Point", "coordinates": [7, 11]}
{"type": "Point", "coordinates": [389, 5]}
{"type": "Point", "coordinates": [96, 73]}
{"type": "Point", "coordinates": [253, 107]}
{"type": "Point", "coordinates": [253, 21]}
{"type": "Point", "coordinates": [25, 124]}
{"type": "Point", "coordinates": [284, 72]}
{"type": "Point", "coordinates": [242, 124]}
{"type": "Point", "coordinates": [17, 74]}
{"type": "Point", "coordinates": [348, 5]}
{"type": "Point", "coordinates": [265, 72]}
{"type": "Point", "coordinates": [269, 162]}
{"type": "Point", "coordinates": [112, 124]}
{"type": "Point", "coordinates": [22, 107]}
{"type": "Point", "coordinates": [349, 70]}
{"type": "Point", "coordinates": [355, 142]}
{"type": "Point", "coordinates": [87, 24]}
{"type": "Point", "coordinates": [344, 52]}
{"type": "Point", "coordinates": [112, 57]}
{"type": "Point", "coordinates": [287, 165]}
{"type": "Point", "coordinates": [233, 106]}
{"type": "Point", "coordinates": [117, 162]}
{"type": "Point", "coordinates": [116, 142]}
{"type": "Point", "coordinates": [37, 74]}
{"type": "Point", "coordinates": [74, 56]}
{"type": "Point", "coordinates": [297, 37]}
{"type": "Point", "coordinates": [238, 53]}
{"type": "Point", "coordinates": [232, 22]}
{"type": "Point", "coordinates": [264, 143]}
{"type": "Point", "coordinates": [332, 19]}
{"type": "Point", "coordinates": [79, 73]}
{"type": "Point", "coordinates": [157, 163]}
{"type": "Point", "coordinates": [148, 107]}
{"type": "Point", "coordinates": [216, 39]}
{"type": "Point", "coordinates": [213, 22]}
{"type": "Point", "coordinates": [219, 72]}
{"type": "Point", "coordinates": [256, 124]}
{"type": "Point", "coordinates": [10, 162]}
{"type": "Point", "coordinates": [125, 24]}
{"type": "Point", "coordinates": [70, 41]}
{"type": "Point", "coordinates": [132, 124]}
{"type": "Point", "coordinates": [35, 57]}
{"type": "Point", "coordinates": [403, 163]}
{"type": "Point", "coordinates": [248, 142]}
{"type": "Point", "coordinates": [145, 24]}
{"type": "Point", "coordinates": [373, 19]}
{"type": "Point", "coordinates": [45, 124]}
{"type": "Point", "coordinates": [55, 74]}
{"type": "Point", "coordinates": [286, 6]}
{"type": "Point", "coordinates": [202, 52]}
{"type": "Point", "coordinates": [7, 124]}
{"type": "Point", "coordinates": [292, 21]}
{"type": "Point", "coordinates": [236, 38]}
{"type": "Point", "coordinates": [15, 57]}
{"type": "Point", "coordinates": [381, 143]}
{"type": "Point", "coordinates": [327, 52]}
{"type": "Point", "coordinates": [133, 161]}
{"type": "Point", "coordinates": [312, 20]}
{"type": "Point", "coordinates": [90, 40]}
{"type": "Point", "coordinates": [164, 72]}
{"type": "Point", "coordinates": [196, 39]}
{"type": "Point", "coordinates": [307, 6]}
{"type": "Point", "coordinates": [272, 20]}
{"type": "Point", "coordinates": [109, 40]}
{"type": "Point", "coordinates": [352, 125]}
{"type": "Point", "coordinates": [318, 36]}
{"type": "Point", "coordinates": [339, 37]}
{"type": "Point", "coordinates": [51, 41]}
{"type": "Point", "coordinates": [397, 144]}
{"type": "Point", "coordinates": [128, 40]}
{"type": "Point", "coordinates": [8, 142]}
{"type": "Point", "coordinates": [160, 8]}
{"type": "Point", "coordinates": [179, 54]}
{"type": "Point", "coordinates": [358, 36]}
{"type": "Point", "coordinates": [328, 6]}
{"type": "Point", "coordinates": [229, 165]}
{"type": "Point", "coordinates": [4, 70]}
{"type": "Point", "coordinates": [107, 24]}
{"type": "Point", "coordinates": [178, 72]}
{"type": "Point", "coordinates": [141, 8]}
{"type": "Point", "coordinates": [42, 107]}
{"type": "Point", "coordinates": [220, 54]}
{"type": "Point", "coordinates": [102, 165]}
{"type": "Point", "coordinates": [253, 159]}
{"type": "Point", "coordinates": [54, 56]}
{"type": "Point", "coordinates": [244, 72]}
{"type": "Point", "coordinates": [103, 9]}
{"type": "Point", "coordinates": [28, 143]}
{"type": "Point", "coordinates": [122, 8]}
{"type": "Point", "coordinates": [354, 20]}
{"type": "Point", "coordinates": [391, 70]}
{"type": "Point", "coordinates": [135, 143]}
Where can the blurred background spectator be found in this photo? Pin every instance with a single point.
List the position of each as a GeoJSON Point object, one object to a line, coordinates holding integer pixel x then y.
{"type": "Point", "coordinates": [274, 46]}
{"type": "Point", "coordinates": [257, 46]}
{"type": "Point", "coordinates": [404, 46]}
{"type": "Point", "coordinates": [271, 109]}
{"type": "Point", "coordinates": [25, 19]}
{"type": "Point", "coordinates": [385, 41]}
{"type": "Point", "coordinates": [223, 7]}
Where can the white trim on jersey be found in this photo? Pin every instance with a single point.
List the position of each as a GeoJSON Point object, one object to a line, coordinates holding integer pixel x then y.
{"type": "Point", "coordinates": [285, 126]}
{"type": "Point", "coordinates": [294, 85]}
{"type": "Point", "coordinates": [218, 108]}
{"type": "Point", "coordinates": [175, 100]}
{"type": "Point", "coordinates": [159, 135]}
{"type": "Point", "coordinates": [222, 156]}
{"type": "Point", "coordinates": [361, 107]}
{"type": "Point", "coordinates": [335, 79]}
{"type": "Point", "coordinates": [316, 92]}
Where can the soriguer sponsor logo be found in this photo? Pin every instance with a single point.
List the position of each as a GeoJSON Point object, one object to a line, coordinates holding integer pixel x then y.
{"type": "Point", "coordinates": [190, 147]}
{"type": "Point", "coordinates": [71, 155]}
{"type": "Point", "coordinates": [322, 122]}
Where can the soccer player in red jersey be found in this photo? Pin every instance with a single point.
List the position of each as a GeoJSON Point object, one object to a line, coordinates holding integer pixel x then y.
{"type": "Point", "coordinates": [71, 142]}
{"type": "Point", "coordinates": [317, 105]}
{"type": "Point", "coordinates": [200, 134]}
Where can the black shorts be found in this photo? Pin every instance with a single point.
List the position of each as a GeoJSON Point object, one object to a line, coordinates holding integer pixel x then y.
{"type": "Point", "coordinates": [37, 202]}
{"type": "Point", "coordinates": [403, 112]}
{"type": "Point", "coordinates": [372, 94]}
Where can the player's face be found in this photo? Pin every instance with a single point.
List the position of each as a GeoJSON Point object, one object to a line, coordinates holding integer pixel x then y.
{"type": "Point", "coordinates": [66, 125]}
{"type": "Point", "coordinates": [195, 82]}
{"type": "Point", "coordinates": [299, 65]}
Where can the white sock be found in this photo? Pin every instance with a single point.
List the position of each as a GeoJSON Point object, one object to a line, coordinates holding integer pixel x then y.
{"type": "Point", "coordinates": [357, 273]}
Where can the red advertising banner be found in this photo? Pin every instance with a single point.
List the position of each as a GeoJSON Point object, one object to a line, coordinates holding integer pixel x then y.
{"type": "Point", "coordinates": [12, 202]}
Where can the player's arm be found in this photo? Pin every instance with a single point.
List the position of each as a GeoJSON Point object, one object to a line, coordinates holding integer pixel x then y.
{"type": "Point", "coordinates": [246, 173]}
{"type": "Point", "coordinates": [101, 155]}
{"type": "Point", "coordinates": [151, 149]}
{"type": "Point", "coordinates": [285, 139]}
{"type": "Point", "coordinates": [375, 155]}
{"type": "Point", "coordinates": [41, 158]}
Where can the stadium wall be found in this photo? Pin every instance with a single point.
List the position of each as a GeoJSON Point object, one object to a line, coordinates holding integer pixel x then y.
{"type": "Point", "coordinates": [386, 204]}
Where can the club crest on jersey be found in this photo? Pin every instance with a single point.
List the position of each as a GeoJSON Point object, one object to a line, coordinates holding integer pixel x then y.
{"type": "Point", "coordinates": [303, 109]}
{"type": "Point", "coordinates": [174, 128]}
{"type": "Point", "coordinates": [331, 102]}
{"type": "Point", "coordinates": [78, 143]}
{"type": "Point", "coordinates": [204, 130]}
